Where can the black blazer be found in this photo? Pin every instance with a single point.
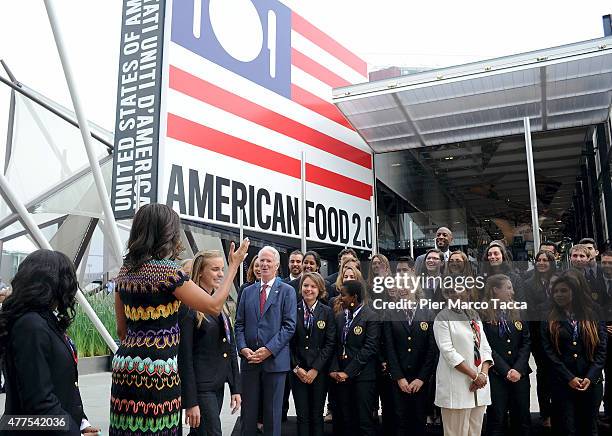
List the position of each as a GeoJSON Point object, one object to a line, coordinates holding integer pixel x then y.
{"type": "Point", "coordinates": [510, 353]}
{"type": "Point", "coordinates": [358, 357]}
{"type": "Point", "coordinates": [411, 350]}
{"type": "Point", "coordinates": [206, 359]}
{"type": "Point", "coordinates": [41, 373]}
{"type": "Point", "coordinates": [572, 360]}
{"type": "Point", "coordinates": [315, 348]}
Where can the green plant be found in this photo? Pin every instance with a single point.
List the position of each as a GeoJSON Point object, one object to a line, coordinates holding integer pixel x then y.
{"type": "Point", "coordinates": [87, 339]}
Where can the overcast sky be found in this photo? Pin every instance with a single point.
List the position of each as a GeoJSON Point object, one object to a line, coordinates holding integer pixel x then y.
{"type": "Point", "coordinates": [383, 32]}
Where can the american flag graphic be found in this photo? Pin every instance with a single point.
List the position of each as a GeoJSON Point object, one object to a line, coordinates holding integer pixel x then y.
{"type": "Point", "coordinates": [250, 83]}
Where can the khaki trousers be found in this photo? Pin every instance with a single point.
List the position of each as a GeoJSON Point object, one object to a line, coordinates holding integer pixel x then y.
{"type": "Point", "coordinates": [463, 422]}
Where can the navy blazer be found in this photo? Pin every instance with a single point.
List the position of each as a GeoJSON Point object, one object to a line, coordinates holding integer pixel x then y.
{"type": "Point", "coordinates": [411, 350]}
{"type": "Point", "coordinates": [273, 329]}
{"type": "Point", "coordinates": [572, 361]}
{"type": "Point", "coordinates": [510, 352]}
{"type": "Point", "coordinates": [359, 356]}
{"type": "Point", "coordinates": [206, 359]}
{"type": "Point", "coordinates": [314, 348]}
{"type": "Point", "coordinates": [41, 373]}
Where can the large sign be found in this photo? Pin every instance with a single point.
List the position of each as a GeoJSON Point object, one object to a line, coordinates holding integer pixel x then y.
{"type": "Point", "coordinates": [247, 93]}
{"type": "Point", "coordinates": [138, 106]}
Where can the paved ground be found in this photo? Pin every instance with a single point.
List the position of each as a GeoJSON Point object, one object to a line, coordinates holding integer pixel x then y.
{"type": "Point", "coordinates": [95, 390]}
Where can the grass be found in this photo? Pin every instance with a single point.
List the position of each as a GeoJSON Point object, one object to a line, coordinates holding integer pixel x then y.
{"type": "Point", "coordinates": [87, 339]}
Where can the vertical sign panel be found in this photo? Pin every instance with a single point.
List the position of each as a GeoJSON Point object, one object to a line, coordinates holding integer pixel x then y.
{"type": "Point", "coordinates": [138, 103]}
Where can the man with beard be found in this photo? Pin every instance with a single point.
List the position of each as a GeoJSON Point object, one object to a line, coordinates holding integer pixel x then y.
{"type": "Point", "coordinates": [444, 238]}
{"type": "Point", "coordinates": [295, 266]}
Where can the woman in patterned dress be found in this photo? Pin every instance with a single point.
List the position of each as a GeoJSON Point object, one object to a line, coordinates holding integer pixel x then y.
{"type": "Point", "coordinates": [146, 389]}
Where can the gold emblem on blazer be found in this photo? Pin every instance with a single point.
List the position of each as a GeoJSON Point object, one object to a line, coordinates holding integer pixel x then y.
{"type": "Point", "coordinates": [518, 325]}
{"type": "Point", "coordinates": [321, 324]}
{"type": "Point", "coordinates": [358, 330]}
{"type": "Point", "coordinates": [594, 295]}
{"type": "Point", "coordinates": [424, 326]}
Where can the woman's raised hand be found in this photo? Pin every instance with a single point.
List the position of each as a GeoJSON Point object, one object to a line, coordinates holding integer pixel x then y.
{"type": "Point", "coordinates": [236, 257]}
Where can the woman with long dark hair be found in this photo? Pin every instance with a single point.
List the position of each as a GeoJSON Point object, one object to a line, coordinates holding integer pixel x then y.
{"type": "Point", "coordinates": [39, 358]}
{"type": "Point", "coordinates": [496, 260]}
{"type": "Point", "coordinates": [207, 354]}
{"type": "Point", "coordinates": [353, 368]}
{"type": "Point", "coordinates": [575, 342]}
{"type": "Point", "coordinates": [537, 295]}
{"type": "Point", "coordinates": [508, 336]}
{"type": "Point", "coordinates": [312, 348]}
{"type": "Point", "coordinates": [146, 388]}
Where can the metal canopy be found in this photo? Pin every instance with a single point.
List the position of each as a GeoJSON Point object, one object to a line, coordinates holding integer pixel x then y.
{"type": "Point", "coordinates": [557, 88]}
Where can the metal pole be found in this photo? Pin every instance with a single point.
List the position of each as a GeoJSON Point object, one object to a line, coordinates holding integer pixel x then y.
{"type": "Point", "coordinates": [111, 225]}
{"type": "Point", "coordinates": [41, 241]}
{"type": "Point", "coordinates": [240, 223]}
{"type": "Point", "coordinates": [51, 109]}
{"type": "Point", "coordinates": [374, 226]}
{"type": "Point", "coordinates": [411, 242]}
{"type": "Point", "coordinates": [303, 201]}
{"type": "Point", "coordinates": [535, 223]}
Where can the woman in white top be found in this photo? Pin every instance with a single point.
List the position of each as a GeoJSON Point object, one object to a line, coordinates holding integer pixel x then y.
{"type": "Point", "coordinates": [462, 389]}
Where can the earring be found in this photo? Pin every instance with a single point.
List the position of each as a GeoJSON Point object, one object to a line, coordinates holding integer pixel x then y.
{"type": "Point", "coordinates": [352, 304]}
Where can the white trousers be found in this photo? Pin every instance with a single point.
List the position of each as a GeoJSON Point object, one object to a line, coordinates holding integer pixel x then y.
{"type": "Point", "coordinates": [463, 422]}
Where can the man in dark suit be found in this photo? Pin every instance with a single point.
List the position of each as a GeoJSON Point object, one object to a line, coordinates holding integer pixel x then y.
{"type": "Point", "coordinates": [295, 266]}
{"type": "Point", "coordinates": [265, 323]}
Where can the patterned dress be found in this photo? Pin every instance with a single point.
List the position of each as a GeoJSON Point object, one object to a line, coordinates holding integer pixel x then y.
{"type": "Point", "coordinates": [146, 388]}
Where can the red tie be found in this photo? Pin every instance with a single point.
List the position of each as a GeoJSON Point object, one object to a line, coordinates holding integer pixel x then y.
{"type": "Point", "coordinates": [262, 298]}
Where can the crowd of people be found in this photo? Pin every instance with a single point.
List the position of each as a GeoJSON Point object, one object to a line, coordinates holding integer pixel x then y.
{"type": "Point", "coordinates": [322, 340]}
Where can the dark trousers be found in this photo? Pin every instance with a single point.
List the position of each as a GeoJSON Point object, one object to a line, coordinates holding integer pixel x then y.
{"type": "Point", "coordinates": [286, 395]}
{"type": "Point", "coordinates": [608, 386]}
{"type": "Point", "coordinates": [410, 411]}
{"type": "Point", "coordinates": [575, 413]}
{"type": "Point", "coordinates": [543, 377]}
{"type": "Point", "coordinates": [354, 408]}
{"type": "Point", "coordinates": [508, 398]}
{"type": "Point", "coordinates": [385, 392]}
{"type": "Point", "coordinates": [255, 380]}
{"type": "Point", "coordinates": [309, 403]}
{"type": "Point", "coordinates": [210, 403]}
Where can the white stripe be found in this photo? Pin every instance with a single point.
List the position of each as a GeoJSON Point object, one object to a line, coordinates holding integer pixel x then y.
{"type": "Point", "coordinates": [320, 56]}
{"type": "Point", "coordinates": [219, 76]}
{"type": "Point", "coordinates": [311, 84]}
{"type": "Point", "coordinates": [202, 113]}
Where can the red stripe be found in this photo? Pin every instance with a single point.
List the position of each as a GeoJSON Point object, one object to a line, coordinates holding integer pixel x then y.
{"type": "Point", "coordinates": [307, 30]}
{"type": "Point", "coordinates": [337, 182]}
{"type": "Point", "coordinates": [196, 134]}
{"type": "Point", "coordinates": [318, 105]}
{"type": "Point", "coordinates": [317, 70]}
{"type": "Point", "coordinates": [195, 87]}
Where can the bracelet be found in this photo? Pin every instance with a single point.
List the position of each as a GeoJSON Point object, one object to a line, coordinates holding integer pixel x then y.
{"type": "Point", "coordinates": [482, 373]}
{"type": "Point", "coordinates": [475, 378]}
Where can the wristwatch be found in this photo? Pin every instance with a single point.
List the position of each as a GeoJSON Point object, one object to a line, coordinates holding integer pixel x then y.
{"type": "Point", "coordinates": [296, 368]}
